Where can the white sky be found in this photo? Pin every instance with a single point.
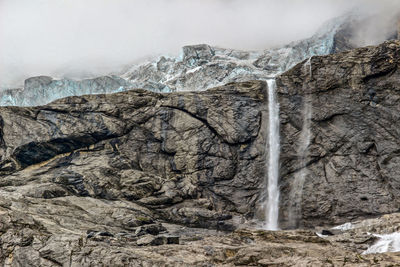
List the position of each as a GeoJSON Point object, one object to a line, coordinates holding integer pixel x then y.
{"type": "Point", "coordinates": [93, 37]}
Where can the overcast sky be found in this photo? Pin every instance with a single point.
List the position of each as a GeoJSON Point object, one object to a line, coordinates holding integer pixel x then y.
{"type": "Point", "coordinates": [93, 37]}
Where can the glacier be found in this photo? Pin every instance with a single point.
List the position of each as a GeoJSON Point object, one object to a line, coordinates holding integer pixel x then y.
{"type": "Point", "coordinates": [198, 67]}
{"type": "Point", "coordinates": [43, 89]}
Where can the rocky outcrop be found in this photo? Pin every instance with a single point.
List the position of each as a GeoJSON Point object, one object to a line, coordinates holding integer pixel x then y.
{"type": "Point", "coordinates": [350, 169]}
{"type": "Point", "coordinates": [123, 179]}
{"type": "Point", "coordinates": [102, 166]}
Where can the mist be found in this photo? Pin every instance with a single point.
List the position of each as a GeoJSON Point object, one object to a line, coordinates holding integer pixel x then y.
{"type": "Point", "coordinates": [85, 38]}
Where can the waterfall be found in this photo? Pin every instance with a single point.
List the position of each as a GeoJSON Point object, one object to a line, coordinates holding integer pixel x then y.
{"type": "Point", "coordinates": [296, 191]}
{"type": "Point", "coordinates": [272, 204]}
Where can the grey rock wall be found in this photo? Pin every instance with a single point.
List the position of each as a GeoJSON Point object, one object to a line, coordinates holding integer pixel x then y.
{"type": "Point", "coordinates": [353, 159]}
{"type": "Point", "coordinates": [192, 158]}
{"type": "Point", "coordinates": [95, 180]}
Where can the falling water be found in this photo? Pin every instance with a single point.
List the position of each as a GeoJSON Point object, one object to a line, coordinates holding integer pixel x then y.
{"type": "Point", "coordinates": [302, 152]}
{"type": "Point", "coordinates": [272, 205]}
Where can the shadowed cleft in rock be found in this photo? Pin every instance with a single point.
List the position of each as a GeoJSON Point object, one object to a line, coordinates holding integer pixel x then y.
{"type": "Point", "coordinates": [110, 168]}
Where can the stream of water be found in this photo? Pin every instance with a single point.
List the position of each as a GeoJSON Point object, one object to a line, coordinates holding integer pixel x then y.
{"type": "Point", "coordinates": [272, 205]}
{"type": "Point", "coordinates": [296, 192]}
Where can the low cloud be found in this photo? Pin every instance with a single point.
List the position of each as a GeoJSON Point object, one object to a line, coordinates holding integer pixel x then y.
{"type": "Point", "coordinates": [81, 38]}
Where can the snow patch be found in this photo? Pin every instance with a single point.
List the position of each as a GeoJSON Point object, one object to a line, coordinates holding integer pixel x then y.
{"type": "Point", "coordinates": [344, 227]}
{"type": "Point", "coordinates": [386, 243]}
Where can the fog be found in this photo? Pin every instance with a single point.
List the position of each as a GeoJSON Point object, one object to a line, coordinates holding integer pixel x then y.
{"type": "Point", "coordinates": [82, 38]}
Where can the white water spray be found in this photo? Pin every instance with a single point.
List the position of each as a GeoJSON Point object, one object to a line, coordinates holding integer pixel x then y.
{"type": "Point", "coordinates": [272, 205]}
{"type": "Point", "coordinates": [386, 243]}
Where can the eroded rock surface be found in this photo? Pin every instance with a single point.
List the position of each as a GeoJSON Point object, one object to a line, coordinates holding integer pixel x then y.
{"type": "Point", "coordinates": [115, 166]}
{"type": "Point", "coordinates": [147, 179]}
{"type": "Point", "coordinates": [351, 166]}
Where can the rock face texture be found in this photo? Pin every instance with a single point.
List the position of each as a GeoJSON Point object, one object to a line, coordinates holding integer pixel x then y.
{"type": "Point", "coordinates": [350, 166]}
{"type": "Point", "coordinates": [168, 152]}
{"type": "Point", "coordinates": [100, 180]}
{"type": "Point", "coordinates": [103, 166]}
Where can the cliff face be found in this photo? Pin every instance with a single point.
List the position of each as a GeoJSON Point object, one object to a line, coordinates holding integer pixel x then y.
{"type": "Point", "coordinates": [113, 163]}
{"type": "Point", "coordinates": [88, 180]}
{"type": "Point", "coordinates": [350, 169]}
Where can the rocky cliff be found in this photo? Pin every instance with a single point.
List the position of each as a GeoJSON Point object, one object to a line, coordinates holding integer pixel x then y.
{"type": "Point", "coordinates": [117, 165]}
{"type": "Point", "coordinates": [95, 180]}
{"type": "Point", "coordinates": [350, 167]}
